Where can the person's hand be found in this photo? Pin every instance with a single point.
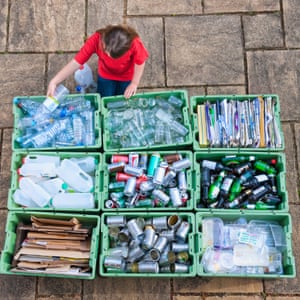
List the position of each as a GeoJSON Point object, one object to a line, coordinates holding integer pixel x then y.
{"type": "Point", "coordinates": [51, 88]}
{"type": "Point", "coordinates": [130, 90]}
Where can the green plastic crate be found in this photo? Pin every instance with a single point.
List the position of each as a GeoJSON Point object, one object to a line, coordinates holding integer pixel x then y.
{"type": "Point", "coordinates": [16, 163]}
{"type": "Point", "coordinates": [95, 102]}
{"type": "Point", "coordinates": [109, 176]}
{"type": "Point", "coordinates": [105, 244]}
{"type": "Point", "coordinates": [197, 100]}
{"type": "Point", "coordinates": [216, 156]}
{"type": "Point", "coordinates": [281, 218]}
{"type": "Point", "coordinates": [14, 218]}
{"type": "Point", "coordinates": [181, 94]}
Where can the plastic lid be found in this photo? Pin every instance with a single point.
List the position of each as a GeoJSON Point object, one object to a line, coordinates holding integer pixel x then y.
{"type": "Point", "coordinates": [78, 88]}
{"type": "Point", "coordinates": [81, 67]}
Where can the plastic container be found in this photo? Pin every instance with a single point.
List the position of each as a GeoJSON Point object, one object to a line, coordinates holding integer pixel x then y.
{"type": "Point", "coordinates": [20, 135]}
{"type": "Point", "coordinates": [110, 177]}
{"type": "Point", "coordinates": [84, 79]}
{"type": "Point", "coordinates": [52, 186]}
{"type": "Point", "coordinates": [11, 239]}
{"type": "Point", "coordinates": [146, 132]}
{"type": "Point", "coordinates": [199, 100]}
{"type": "Point", "coordinates": [106, 249]}
{"type": "Point", "coordinates": [264, 156]}
{"type": "Point", "coordinates": [266, 238]}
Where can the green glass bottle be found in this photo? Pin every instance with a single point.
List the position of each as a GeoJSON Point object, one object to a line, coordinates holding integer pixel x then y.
{"type": "Point", "coordinates": [235, 159]}
{"type": "Point", "coordinates": [215, 187]}
{"type": "Point", "coordinates": [264, 167]}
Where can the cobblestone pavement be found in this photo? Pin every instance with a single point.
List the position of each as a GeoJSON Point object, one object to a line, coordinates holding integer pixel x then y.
{"type": "Point", "coordinates": [205, 47]}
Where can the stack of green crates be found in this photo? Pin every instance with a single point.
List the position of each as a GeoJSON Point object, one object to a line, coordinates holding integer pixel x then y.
{"type": "Point", "coordinates": [280, 215]}
{"type": "Point", "coordinates": [21, 215]}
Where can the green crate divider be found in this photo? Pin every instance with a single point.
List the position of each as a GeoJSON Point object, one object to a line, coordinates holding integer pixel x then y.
{"type": "Point", "coordinates": [16, 163]}
{"type": "Point", "coordinates": [283, 218]}
{"type": "Point", "coordinates": [280, 177]}
{"type": "Point", "coordinates": [95, 101]}
{"type": "Point", "coordinates": [189, 174]}
{"type": "Point", "coordinates": [181, 94]}
{"type": "Point", "coordinates": [190, 217]}
{"type": "Point", "coordinates": [195, 100]}
{"type": "Point", "coordinates": [14, 218]}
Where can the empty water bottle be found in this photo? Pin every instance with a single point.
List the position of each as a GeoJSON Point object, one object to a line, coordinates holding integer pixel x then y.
{"type": "Point", "coordinates": [28, 106]}
{"type": "Point", "coordinates": [78, 129]}
{"type": "Point", "coordinates": [89, 136]}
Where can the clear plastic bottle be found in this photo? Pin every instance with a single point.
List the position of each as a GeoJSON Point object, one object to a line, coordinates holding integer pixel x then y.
{"type": "Point", "coordinates": [78, 129]}
{"type": "Point", "coordinates": [89, 138]}
{"type": "Point", "coordinates": [84, 79]}
{"type": "Point", "coordinates": [28, 106]}
{"type": "Point", "coordinates": [36, 192]}
{"type": "Point", "coordinates": [51, 102]}
{"type": "Point", "coordinates": [45, 137]}
{"type": "Point", "coordinates": [73, 200]}
{"type": "Point", "coordinates": [75, 177]}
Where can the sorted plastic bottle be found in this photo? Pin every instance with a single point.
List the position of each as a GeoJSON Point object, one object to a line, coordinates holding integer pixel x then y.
{"type": "Point", "coordinates": [78, 128]}
{"type": "Point", "coordinates": [84, 79]}
{"type": "Point", "coordinates": [54, 186]}
{"type": "Point", "coordinates": [27, 105]}
{"type": "Point", "coordinates": [36, 192]}
{"type": "Point", "coordinates": [75, 177]}
{"type": "Point", "coordinates": [46, 169]}
{"type": "Point", "coordinates": [22, 198]}
{"type": "Point", "coordinates": [89, 137]}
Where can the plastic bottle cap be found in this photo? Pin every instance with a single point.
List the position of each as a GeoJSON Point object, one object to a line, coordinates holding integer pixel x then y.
{"type": "Point", "coordinates": [81, 67]}
{"type": "Point", "coordinates": [78, 88]}
{"type": "Point", "coordinates": [64, 186]}
{"type": "Point", "coordinates": [19, 171]}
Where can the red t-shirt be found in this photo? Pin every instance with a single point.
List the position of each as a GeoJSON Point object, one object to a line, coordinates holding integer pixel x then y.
{"type": "Point", "coordinates": [121, 68]}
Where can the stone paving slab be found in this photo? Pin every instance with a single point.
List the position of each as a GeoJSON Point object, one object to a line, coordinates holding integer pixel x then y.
{"type": "Point", "coordinates": [212, 54]}
{"type": "Point", "coordinates": [291, 14]}
{"type": "Point", "coordinates": [3, 24]}
{"type": "Point", "coordinates": [226, 6]}
{"type": "Point", "coordinates": [277, 72]}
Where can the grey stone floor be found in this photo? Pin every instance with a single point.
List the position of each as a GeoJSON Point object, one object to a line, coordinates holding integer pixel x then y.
{"type": "Point", "coordinates": [205, 47]}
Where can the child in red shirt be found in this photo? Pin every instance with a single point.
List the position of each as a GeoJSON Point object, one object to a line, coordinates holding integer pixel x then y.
{"type": "Point", "coordinates": [121, 63]}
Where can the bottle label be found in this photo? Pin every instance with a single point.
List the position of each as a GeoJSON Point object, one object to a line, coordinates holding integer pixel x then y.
{"type": "Point", "coordinates": [209, 164]}
{"type": "Point", "coordinates": [261, 178]}
{"type": "Point", "coordinates": [51, 103]}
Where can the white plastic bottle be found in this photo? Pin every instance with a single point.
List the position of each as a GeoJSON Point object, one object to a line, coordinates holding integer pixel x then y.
{"type": "Point", "coordinates": [36, 192]}
{"type": "Point", "coordinates": [75, 177]}
{"type": "Point", "coordinates": [54, 186]}
{"type": "Point", "coordinates": [38, 169]}
{"type": "Point", "coordinates": [87, 164]}
{"type": "Point", "coordinates": [22, 198]}
{"type": "Point", "coordinates": [73, 200]}
{"type": "Point", "coordinates": [84, 79]}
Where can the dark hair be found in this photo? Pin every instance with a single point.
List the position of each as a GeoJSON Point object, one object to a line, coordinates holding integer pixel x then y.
{"type": "Point", "coordinates": [117, 39]}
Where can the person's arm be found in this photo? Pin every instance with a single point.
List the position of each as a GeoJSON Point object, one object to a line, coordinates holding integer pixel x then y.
{"type": "Point", "coordinates": [137, 75]}
{"type": "Point", "coordinates": [64, 73]}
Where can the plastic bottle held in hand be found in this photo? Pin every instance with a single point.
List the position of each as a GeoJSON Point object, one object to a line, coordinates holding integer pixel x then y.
{"type": "Point", "coordinates": [51, 102]}
{"type": "Point", "coordinates": [75, 177]}
{"type": "Point", "coordinates": [36, 192]}
{"type": "Point", "coordinates": [84, 79]}
{"type": "Point", "coordinates": [73, 200]}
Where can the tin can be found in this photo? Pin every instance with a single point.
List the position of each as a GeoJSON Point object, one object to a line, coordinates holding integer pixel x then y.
{"type": "Point", "coordinates": [159, 173]}
{"type": "Point", "coordinates": [182, 164]}
{"type": "Point", "coordinates": [135, 254]}
{"type": "Point", "coordinates": [116, 221]}
{"type": "Point", "coordinates": [175, 197]}
{"type": "Point", "coordinates": [171, 174]}
{"type": "Point", "coordinates": [110, 204]}
{"type": "Point", "coordinates": [133, 159]}
{"type": "Point", "coordinates": [134, 171]}
{"type": "Point", "coordinates": [160, 223]}
{"type": "Point", "coordinates": [149, 237]}
{"type": "Point", "coordinates": [174, 221]}
{"type": "Point", "coordinates": [179, 268]}
{"type": "Point", "coordinates": [116, 186]}
{"type": "Point", "coordinates": [161, 195]}
{"type": "Point", "coordinates": [182, 231]}
{"type": "Point", "coordinates": [146, 203]}
{"type": "Point", "coordinates": [182, 182]}
{"type": "Point", "coordinates": [116, 167]}
{"type": "Point", "coordinates": [148, 267]}
{"type": "Point", "coordinates": [153, 164]}
{"type": "Point", "coordinates": [143, 163]}
{"type": "Point", "coordinates": [116, 262]}
{"type": "Point", "coordinates": [147, 186]}
{"type": "Point", "coordinates": [170, 158]}
{"type": "Point", "coordinates": [118, 158]}
{"type": "Point", "coordinates": [135, 230]}
{"type": "Point", "coordinates": [180, 247]}
{"type": "Point", "coordinates": [129, 189]}
{"type": "Point", "coordinates": [122, 176]}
